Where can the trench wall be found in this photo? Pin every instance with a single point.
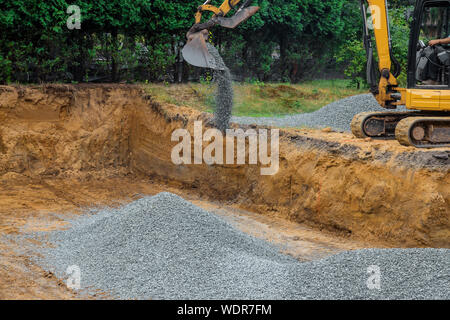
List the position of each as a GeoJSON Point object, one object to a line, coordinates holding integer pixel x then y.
{"type": "Point", "coordinates": [401, 198]}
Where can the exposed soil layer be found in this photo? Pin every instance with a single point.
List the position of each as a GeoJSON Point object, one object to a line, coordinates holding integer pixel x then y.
{"type": "Point", "coordinates": [30, 205]}
{"type": "Point", "coordinates": [372, 190]}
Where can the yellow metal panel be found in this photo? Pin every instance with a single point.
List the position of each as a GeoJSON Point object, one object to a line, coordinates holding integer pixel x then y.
{"type": "Point", "coordinates": [444, 104]}
{"type": "Point", "coordinates": [225, 7]}
{"type": "Point", "coordinates": [423, 99]}
{"type": "Point", "coordinates": [208, 7]}
{"type": "Point", "coordinates": [379, 17]}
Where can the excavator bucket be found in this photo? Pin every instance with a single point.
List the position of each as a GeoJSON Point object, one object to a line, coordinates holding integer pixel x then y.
{"type": "Point", "coordinates": [196, 53]}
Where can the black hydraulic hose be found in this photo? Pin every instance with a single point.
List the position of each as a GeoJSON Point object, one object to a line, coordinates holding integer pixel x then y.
{"type": "Point", "coordinates": [397, 67]}
{"type": "Point", "coordinates": [370, 72]}
{"type": "Point", "coordinates": [434, 63]}
{"type": "Point", "coordinates": [431, 61]}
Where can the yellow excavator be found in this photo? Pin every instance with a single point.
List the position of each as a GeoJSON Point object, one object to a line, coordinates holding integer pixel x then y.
{"type": "Point", "coordinates": [427, 94]}
{"type": "Point", "coordinates": [195, 51]}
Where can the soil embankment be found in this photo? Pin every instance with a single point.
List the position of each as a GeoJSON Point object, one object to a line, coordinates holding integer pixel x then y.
{"type": "Point", "coordinates": [372, 190]}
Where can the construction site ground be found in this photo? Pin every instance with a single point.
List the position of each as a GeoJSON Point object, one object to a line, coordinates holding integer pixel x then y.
{"type": "Point", "coordinates": [67, 148]}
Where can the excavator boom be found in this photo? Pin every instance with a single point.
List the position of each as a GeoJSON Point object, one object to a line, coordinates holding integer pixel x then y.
{"type": "Point", "coordinates": [379, 22]}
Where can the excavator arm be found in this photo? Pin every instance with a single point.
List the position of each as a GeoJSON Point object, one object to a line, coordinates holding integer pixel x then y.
{"type": "Point", "coordinates": [382, 80]}
{"type": "Point", "coordinates": [195, 51]}
{"type": "Point", "coordinates": [221, 11]}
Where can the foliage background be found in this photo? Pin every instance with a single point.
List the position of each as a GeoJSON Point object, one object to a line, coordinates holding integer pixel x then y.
{"type": "Point", "coordinates": [140, 40]}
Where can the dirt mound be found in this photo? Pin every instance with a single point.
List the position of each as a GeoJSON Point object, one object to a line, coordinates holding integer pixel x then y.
{"type": "Point", "coordinates": [365, 189]}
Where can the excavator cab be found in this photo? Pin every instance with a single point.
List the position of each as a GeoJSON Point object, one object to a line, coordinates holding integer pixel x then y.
{"type": "Point", "coordinates": [433, 62]}
{"type": "Point", "coordinates": [195, 52]}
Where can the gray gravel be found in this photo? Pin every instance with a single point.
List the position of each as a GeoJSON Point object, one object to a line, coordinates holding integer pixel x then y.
{"type": "Point", "coordinates": [163, 247]}
{"type": "Point", "coordinates": [404, 274]}
{"type": "Point", "coordinates": [336, 115]}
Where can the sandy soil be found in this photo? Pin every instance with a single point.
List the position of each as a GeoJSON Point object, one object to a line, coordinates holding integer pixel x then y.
{"type": "Point", "coordinates": [28, 206]}
{"type": "Point", "coordinates": [66, 148]}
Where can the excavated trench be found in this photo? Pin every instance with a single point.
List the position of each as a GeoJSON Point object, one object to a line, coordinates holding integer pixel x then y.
{"type": "Point", "coordinates": [373, 190]}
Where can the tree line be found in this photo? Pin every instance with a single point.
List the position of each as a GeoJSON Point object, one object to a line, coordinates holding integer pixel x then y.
{"type": "Point", "coordinates": [140, 40]}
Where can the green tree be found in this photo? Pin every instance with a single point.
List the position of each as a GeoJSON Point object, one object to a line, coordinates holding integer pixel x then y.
{"type": "Point", "coordinates": [286, 40]}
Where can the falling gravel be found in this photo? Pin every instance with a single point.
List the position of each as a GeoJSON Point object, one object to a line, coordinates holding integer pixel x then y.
{"type": "Point", "coordinates": [163, 247]}
{"type": "Point", "coordinates": [336, 115]}
{"type": "Point", "coordinates": [224, 93]}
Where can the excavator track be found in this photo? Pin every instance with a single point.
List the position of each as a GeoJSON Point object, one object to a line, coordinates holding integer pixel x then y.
{"type": "Point", "coordinates": [378, 125]}
{"type": "Point", "coordinates": [424, 132]}
{"type": "Point", "coordinates": [416, 129]}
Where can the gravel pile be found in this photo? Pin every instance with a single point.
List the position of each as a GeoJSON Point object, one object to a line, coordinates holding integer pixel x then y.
{"type": "Point", "coordinates": [224, 93]}
{"type": "Point", "coordinates": [404, 274]}
{"type": "Point", "coordinates": [163, 247]}
{"type": "Point", "coordinates": [336, 115]}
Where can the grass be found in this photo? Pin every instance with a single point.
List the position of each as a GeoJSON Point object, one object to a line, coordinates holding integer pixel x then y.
{"type": "Point", "coordinates": [257, 99]}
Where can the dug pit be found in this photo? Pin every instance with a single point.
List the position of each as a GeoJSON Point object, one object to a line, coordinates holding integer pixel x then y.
{"type": "Point", "coordinates": [372, 190]}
